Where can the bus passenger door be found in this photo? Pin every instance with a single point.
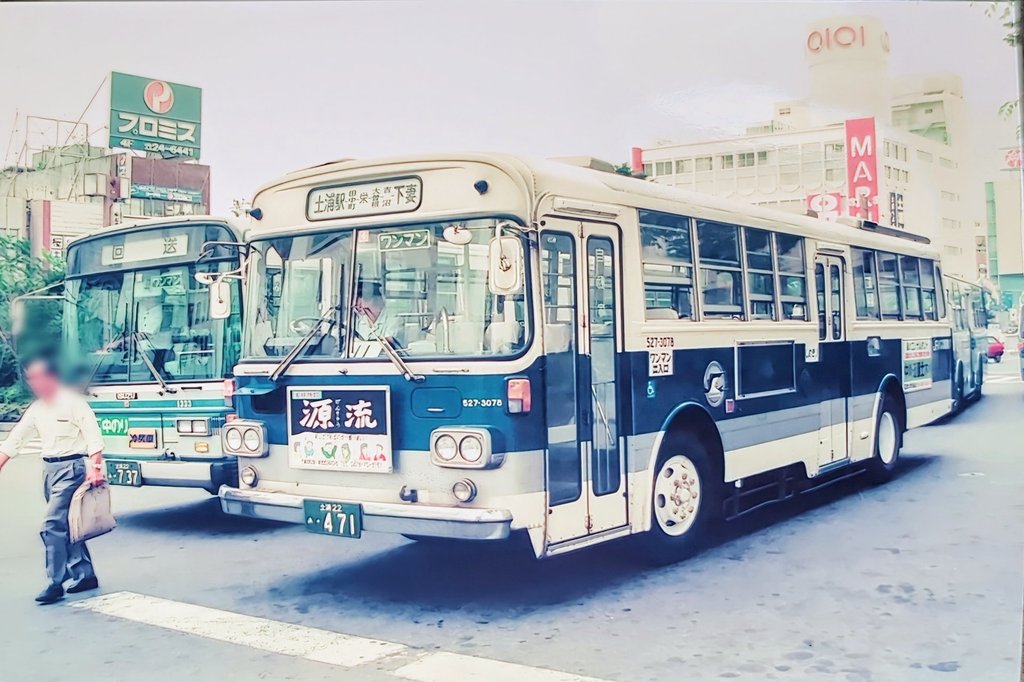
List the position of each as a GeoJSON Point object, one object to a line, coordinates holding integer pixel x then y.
{"type": "Point", "coordinates": [834, 359]}
{"type": "Point", "coordinates": [580, 279]}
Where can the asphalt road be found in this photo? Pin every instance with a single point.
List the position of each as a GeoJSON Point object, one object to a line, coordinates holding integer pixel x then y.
{"type": "Point", "coordinates": [920, 579]}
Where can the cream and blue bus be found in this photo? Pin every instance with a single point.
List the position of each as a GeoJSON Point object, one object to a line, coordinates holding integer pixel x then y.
{"type": "Point", "coordinates": [969, 324]}
{"type": "Point", "coordinates": [474, 345]}
{"type": "Point", "coordinates": [155, 362]}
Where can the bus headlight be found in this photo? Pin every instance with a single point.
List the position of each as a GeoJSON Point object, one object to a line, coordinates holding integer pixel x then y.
{"type": "Point", "coordinates": [251, 440]}
{"type": "Point", "coordinates": [464, 490]}
{"type": "Point", "coordinates": [471, 449]}
{"type": "Point", "coordinates": [249, 477]}
{"type": "Point", "coordinates": [193, 427]}
{"type": "Point", "coordinates": [463, 448]}
{"type": "Point", "coordinates": [244, 438]}
{"type": "Point", "coordinates": [446, 447]}
{"type": "Point", "coordinates": [232, 439]}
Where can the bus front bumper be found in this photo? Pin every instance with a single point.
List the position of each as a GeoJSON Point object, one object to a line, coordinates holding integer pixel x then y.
{"type": "Point", "coordinates": [381, 517]}
{"type": "Point", "coordinates": [177, 474]}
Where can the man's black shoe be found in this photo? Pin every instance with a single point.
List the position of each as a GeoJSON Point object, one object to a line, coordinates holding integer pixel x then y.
{"type": "Point", "coordinates": [51, 594]}
{"type": "Point", "coordinates": [83, 585]}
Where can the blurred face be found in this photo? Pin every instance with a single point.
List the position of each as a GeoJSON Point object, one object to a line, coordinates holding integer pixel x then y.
{"type": "Point", "coordinates": [41, 381]}
{"type": "Point", "coordinates": [368, 306]}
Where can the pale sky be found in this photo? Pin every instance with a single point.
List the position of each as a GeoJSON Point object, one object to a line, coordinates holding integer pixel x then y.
{"type": "Point", "coordinates": [291, 85]}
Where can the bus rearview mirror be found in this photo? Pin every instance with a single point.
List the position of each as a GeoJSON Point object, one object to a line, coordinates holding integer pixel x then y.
{"type": "Point", "coordinates": [220, 300]}
{"type": "Point", "coordinates": [505, 265]}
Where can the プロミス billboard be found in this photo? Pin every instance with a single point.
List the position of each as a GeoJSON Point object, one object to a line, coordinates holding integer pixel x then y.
{"type": "Point", "coordinates": [155, 116]}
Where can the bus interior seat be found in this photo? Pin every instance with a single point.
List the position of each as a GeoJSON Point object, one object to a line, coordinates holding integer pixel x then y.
{"type": "Point", "coordinates": [662, 314]}
{"type": "Point", "coordinates": [501, 336]}
{"type": "Point", "coordinates": [557, 337]}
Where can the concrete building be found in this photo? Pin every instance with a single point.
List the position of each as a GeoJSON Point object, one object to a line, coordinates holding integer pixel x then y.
{"type": "Point", "coordinates": [69, 191]}
{"type": "Point", "coordinates": [1003, 243]}
{"type": "Point", "coordinates": [802, 158]}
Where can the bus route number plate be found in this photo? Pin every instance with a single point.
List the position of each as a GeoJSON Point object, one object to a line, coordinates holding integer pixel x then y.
{"type": "Point", "coordinates": [340, 519]}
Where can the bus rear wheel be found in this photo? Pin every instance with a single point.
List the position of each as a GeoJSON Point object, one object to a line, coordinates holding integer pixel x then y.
{"type": "Point", "coordinates": [683, 499]}
{"type": "Point", "coordinates": [888, 440]}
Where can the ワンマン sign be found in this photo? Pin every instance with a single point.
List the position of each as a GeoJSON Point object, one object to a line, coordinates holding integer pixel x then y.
{"type": "Point", "coordinates": [154, 116]}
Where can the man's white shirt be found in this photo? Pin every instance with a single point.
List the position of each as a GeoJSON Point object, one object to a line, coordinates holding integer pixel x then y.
{"type": "Point", "coordinates": [65, 426]}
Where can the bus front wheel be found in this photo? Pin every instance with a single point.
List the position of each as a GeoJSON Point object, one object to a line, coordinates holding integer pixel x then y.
{"type": "Point", "coordinates": [683, 498]}
{"type": "Point", "coordinates": [888, 439]}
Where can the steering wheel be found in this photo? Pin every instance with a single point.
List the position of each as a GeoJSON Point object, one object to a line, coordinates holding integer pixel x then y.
{"type": "Point", "coordinates": [303, 325]}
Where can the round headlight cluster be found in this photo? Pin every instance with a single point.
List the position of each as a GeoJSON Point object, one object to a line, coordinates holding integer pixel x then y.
{"type": "Point", "coordinates": [243, 439]}
{"type": "Point", "coordinates": [460, 448]}
{"type": "Point", "coordinates": [446, 448]}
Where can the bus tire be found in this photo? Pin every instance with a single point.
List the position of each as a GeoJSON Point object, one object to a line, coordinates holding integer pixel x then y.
{"type": "Point", "coordinates": [684, 498]}
{"type": "Point", "coordinates": [979, 376]}
{"type": "Point", "coordinates": [959, 388]}
{"type": "Point", "coordinates": [888, 440]}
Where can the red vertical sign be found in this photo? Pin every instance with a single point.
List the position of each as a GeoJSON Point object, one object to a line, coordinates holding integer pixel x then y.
{"type": "Point", "coordinates": [637, 160]}
{"type": "Point", "coordinates": [862, 168]}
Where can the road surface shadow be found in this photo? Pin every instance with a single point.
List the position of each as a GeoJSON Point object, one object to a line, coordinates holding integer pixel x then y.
{"type": "Point", "coordinates": [196, 518]}
{"type": "Point", "coordinates": [505, 577]}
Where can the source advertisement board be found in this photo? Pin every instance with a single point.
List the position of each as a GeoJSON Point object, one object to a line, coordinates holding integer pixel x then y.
{"type": "Point", "coordinates": [155, 116]}
{"type": "Point", "coordinates": [341, 429]}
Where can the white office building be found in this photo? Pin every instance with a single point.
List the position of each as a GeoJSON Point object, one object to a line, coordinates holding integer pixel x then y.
{"type": "Point", "coordinates": [907, 137]}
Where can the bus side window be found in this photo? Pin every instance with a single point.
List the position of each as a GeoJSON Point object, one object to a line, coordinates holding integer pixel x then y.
{"type": "Point", "coordinates": [819, 287]}
{"type": "Point", "coordinates": [667, 256]}
{"type": "Point", "coordinates": [760, 275]}
{"type": "Point", "coordinates": [889, 285]}
{"type": "Point", "coordinates": [864, 282]}
{"type": "Point", "coordinates": [930, 291]}
{"type": "Point", "coordinates": [910, 279]}
{"type": "Point", "coordinates": [792, 273]}
{"type": "Point", "coordinates": [720, 270]}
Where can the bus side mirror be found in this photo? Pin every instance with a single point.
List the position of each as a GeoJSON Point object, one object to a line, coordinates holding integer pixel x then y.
{"type": "Point", "coordinates": [505, 265]}
{"type": "Point", "coordinates": [17, 313]}
{"type": "Point", "coordinates": [220, 300]}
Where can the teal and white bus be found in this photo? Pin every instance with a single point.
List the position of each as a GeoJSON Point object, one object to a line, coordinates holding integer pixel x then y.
{"type": "Point", "coordinates": [156, 364]}
{"type": "Point", "coordinates": [474, 345]}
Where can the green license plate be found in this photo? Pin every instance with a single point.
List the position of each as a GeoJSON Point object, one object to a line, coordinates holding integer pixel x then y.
{"type": "Point", "coordinates": [124, 473]}
{"type": "Point", "coordinates": [341, 519]}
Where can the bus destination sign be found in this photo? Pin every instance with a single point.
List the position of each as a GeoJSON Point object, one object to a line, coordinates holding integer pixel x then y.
{"type": "Point", "coordinates": [399, 195]}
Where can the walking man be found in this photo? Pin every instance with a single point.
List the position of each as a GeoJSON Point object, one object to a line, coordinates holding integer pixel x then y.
{"type": "Point", "coordinates": [72, 449]}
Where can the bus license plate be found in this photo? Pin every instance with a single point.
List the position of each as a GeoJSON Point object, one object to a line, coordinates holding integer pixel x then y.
{"type": "Point", "coordinates": [340, 519]}
{"type": "Point", "coordinates": [124, 473]}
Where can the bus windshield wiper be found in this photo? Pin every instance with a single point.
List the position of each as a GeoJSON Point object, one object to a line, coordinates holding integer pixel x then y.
{"type": "Point", "coordinates": [136, 337]}
{"type": "Point", "coordinates": [104, 353]}
{"type": "Point", "coordinates": [301, 345]}
{"type": "Point", "coordinates": [391, 351]}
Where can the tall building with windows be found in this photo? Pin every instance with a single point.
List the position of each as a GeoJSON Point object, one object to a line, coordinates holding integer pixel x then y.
{"type": "Point", "coordinates": [805, 158]}
{"type": "Point", "coordinates": [1003, 241]}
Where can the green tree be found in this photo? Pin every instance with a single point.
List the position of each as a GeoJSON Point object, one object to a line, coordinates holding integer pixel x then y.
{"type": "Point", "coordinates": [20, 274]}
{"type": "Point", "coordinates": [1011, 16]}
{"type": "Point", "coordinates": [625, 168]}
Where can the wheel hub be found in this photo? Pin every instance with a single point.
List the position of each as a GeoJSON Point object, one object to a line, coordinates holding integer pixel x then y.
{"type": "Point", "coordinates": [676, 495]}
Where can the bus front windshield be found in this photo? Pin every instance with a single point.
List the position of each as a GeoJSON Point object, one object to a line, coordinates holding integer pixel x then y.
{"type": "Point", "coordinates": [350, 293]}
{"type": "Point", "coordinates": [124, 324]}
